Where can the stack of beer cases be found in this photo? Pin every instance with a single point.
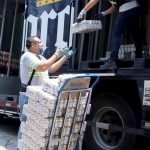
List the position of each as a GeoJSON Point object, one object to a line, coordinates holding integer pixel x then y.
{"type": "Point", "coordinates": [54, 120]}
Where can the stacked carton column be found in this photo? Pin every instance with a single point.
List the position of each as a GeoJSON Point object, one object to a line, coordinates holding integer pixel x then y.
{"type": "Point", "coordinates": [54, 121]}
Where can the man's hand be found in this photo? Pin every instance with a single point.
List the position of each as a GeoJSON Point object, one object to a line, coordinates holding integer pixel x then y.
{"type": "Point", "coordinates": [100, 15]}
{"type": "Point", "coordinates": [61, 52]}
{"type": "Point", "coordinates": [70, 53]}
{"type": "Point", "coordinates": [81, 16]}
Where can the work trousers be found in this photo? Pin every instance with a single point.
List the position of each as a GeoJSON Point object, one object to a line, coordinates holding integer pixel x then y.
{"type": "Point", "coordinates": [23, 99]}
{"type": "Point", "coordinates": [128, 20]}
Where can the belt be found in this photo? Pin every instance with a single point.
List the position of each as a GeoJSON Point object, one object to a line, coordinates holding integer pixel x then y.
{"type": "Point", "coordinates": [128, 6]}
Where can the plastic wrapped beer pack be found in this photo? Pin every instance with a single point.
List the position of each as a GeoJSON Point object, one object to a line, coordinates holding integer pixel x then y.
{"type": "Point", "coordinates": [63, 143]}
{"type": "Point", "coordinates": [25, 143]}
{"type": "Point", "coordinates": [34, 92]}
{"type": "Point", "coordinates": [86, 26]}
{"type": "Point", "coordinates": [33, 136]}
{"type": "Point", "coordinates": [40, 113]}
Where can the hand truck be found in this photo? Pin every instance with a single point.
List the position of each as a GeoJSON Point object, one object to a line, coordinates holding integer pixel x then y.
{"type": "Point", "coordinates": [71, 139]}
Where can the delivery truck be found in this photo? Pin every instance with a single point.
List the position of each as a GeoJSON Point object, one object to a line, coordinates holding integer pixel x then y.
{"type": "Point", "coordinates": [11, 25]}
{"type": "Point", "coordinates": [120, 100]}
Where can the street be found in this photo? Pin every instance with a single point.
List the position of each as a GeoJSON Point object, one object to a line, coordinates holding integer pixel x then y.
{"type": "Point", "coordinates": [9, 128]}
{"type": "Point", "coordinates": [8, 133]}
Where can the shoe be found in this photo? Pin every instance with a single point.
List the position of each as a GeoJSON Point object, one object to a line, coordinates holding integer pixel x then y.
{"type": "Point", "coordinates": [110, 64]}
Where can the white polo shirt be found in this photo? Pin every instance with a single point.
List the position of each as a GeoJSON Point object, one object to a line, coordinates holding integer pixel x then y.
{"type": "Point", "coordinates": [28, 62]}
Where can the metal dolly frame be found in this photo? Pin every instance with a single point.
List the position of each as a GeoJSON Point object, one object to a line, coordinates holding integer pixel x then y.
{"type": "Point", "coordinates": [82, 126]}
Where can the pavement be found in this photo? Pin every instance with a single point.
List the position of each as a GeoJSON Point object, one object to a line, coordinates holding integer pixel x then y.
{"type": "Point", "coordinates": [8, 133]}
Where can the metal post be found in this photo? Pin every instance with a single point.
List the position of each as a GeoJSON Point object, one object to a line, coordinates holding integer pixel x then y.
{"type": "Point", "coordinates": [12, 39]}
{"type": "Point", "coordinates": [81, 45]}
{"type": "Point", "coordinates": [68, 43]}
{"type": "Point", "coordinates": [3, 21]}
{"type": "Point", "coordinates": [25, 26]}
{"type": "Point", "coordinates": [70, 13]}
{"type": "Point", "coordinates": [74, 35]}
{"type": "Point", "coordinates": [97, 34]}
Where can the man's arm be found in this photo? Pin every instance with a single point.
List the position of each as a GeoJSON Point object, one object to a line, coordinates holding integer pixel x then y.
{"type": "Point", "coordinates": [45, 65]}
{"type": "Point", "coordinates": [53, 63]}
{"type": "Point", "coordinates": [110, 10]}
{"type": "Point", "coordinates": [57, 65]}
{"type": "Point", "coordinates": [87, 7]}
{"type": "Point", "coordinates": [90, 4]}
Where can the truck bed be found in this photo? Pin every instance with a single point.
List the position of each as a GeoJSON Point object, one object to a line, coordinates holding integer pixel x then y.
{"type": "Point", "coordinates": [126, 68]}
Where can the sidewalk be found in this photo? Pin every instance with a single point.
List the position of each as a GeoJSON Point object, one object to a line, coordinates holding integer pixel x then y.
{"type": "Point", "coordinates": [8, 134]}
{"type": "Point", "coordinates": [7, 142]}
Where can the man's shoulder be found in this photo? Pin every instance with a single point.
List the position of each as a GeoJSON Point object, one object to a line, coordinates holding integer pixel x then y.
{"type": "Point", "coordinates": [27, 54]}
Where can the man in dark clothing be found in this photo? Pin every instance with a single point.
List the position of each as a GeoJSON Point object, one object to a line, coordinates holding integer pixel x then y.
{"type": "Point", "coordinates": [128, 18]}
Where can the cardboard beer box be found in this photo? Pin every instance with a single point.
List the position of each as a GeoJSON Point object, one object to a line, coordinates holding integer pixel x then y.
{"type": "Point", "coordinates": [76, 84]}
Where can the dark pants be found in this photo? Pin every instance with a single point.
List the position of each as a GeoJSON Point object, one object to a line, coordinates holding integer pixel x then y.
{"type": "Point", "coordinates": [128, 20]}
